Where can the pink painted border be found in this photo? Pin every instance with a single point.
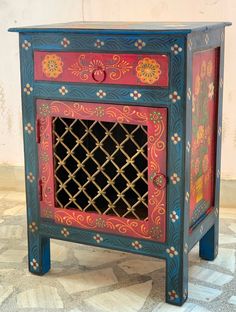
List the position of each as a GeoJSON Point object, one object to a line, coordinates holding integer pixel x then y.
{"type": "Point", "coordinates": [155, 227]}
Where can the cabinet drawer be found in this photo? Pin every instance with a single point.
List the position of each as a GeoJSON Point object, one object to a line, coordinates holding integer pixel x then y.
{"type": "Point", "coordinates": [109, 68]}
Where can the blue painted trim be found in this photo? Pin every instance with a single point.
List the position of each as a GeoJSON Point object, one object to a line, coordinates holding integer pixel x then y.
{"type": "Point", "coordinates": [38, 246]}
{"type": "Point", "coordinates": [202, 228]}
{"type": "Point", "coordinates": [154, 28]}
{"type": "Point", "coordinates": [111, 241]}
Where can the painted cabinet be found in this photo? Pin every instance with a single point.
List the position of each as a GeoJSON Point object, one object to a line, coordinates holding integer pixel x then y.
{"type": "Point", "coordinates": [122, 135]}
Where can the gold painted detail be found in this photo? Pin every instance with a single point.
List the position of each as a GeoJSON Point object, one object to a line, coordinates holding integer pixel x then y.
{"type": "Point", "coordinates": [117, 67]}
{"type": "Point", "coordinates": [148, 70]}
{"type": "Point", "coordinates": [52, 66]}
{"type": "Point", "coordinates": [101, 167]}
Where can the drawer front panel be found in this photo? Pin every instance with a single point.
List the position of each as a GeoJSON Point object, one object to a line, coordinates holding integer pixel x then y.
{"type": "Point", "coordinates": [126, 69]}
{"type": "Point", "coordinates": [103, 167]}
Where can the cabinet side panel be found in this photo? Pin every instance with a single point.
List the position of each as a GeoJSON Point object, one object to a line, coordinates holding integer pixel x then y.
{"type": "Point", "coordinates": [205, 74]}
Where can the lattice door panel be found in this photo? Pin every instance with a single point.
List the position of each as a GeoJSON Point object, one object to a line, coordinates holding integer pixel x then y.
{"type": "Point", "coordinates": [103, 167]}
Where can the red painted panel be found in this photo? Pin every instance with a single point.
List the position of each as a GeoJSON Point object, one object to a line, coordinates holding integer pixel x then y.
{"type": "Point", "coordinates": [204, 123]}
{"type": "Point", "coordinates": [156, 120]}
{"type": "Point", "coordinates": [128, 69]}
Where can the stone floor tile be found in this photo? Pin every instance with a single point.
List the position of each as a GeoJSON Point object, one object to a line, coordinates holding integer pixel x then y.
{"type": "Point", "coordinates": [232, 227]}
{"type": "Point", "coordinates": [227, 239]}
{"type": "Point", "coordinates": [58, 252]}
{"type": "Point", "coordinates": [232, 300]}
{"type": "Point", "coordinates": [5, 292]}
{"type": "Point", "coordinates": [88, 280]}
{"type": "Point", "coordinates": [15, 196]}
{"type": "Point", "coordinates": [11, 231]}
{"type": "Point", "coordinates": [209, 276]}
{"type": "Point", "coordinates": [225, 259]}
{"type": "Point", "coordinates": [141, 266]}
{"type": "Point", "coordinates": [94, 257]}
{"type": "Point", "coordinates": [127, 299]}
{"type": "Point", "coordinates": [41, 297]}
{"type": "Point", "coordinates": [17, 210]}
{"type": "Point", "coordinates": [187, 307]}
{"type": "Point", "coordinates": [13, 256]}
{"type": "Point", "coordinates": [203, 293]}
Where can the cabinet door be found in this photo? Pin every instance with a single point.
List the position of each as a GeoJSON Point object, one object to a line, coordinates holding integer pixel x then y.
{"type": "Point", "coordinates": [102, 167]}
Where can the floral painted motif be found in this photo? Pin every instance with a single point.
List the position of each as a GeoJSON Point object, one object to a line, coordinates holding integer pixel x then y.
{"type": "Point", "coordinates": [99, 111]}
{"type": "Point", "coordinates": [26, 45]}
{"type": "Point", "coordinates": [98, 238]}
{"type": "Point", "coordinates": [186, 248]}
{"type": "Point", "coordinates": [155, 232]}
{"type": "Point", "coordinates": [176, 49]}
{"type": "Point", "coordinates": [63, 90]}
{"type": "Point", "coordinates": [30, 177]}
{"type": "Point", "coordinates": [34, 264]}
{"type": "Point", "coordinates": [101, 94]}
{"type": "Point", "coordinates": [174, 178]}
{"type": "Point", "coordinates": [128, 69]}
{"type": "Point", "coordinates": [99, 43]}
{"type": "Point", "coordinates": [65, 42]}
{"type": "Point", "coordinates": [148, 70]}
{"type": "Point", "coordinates": [156, 117]}
{"type": "Point", "coordinates": [135, 95]}
{"type": "Point", "coordinates": [33, 227]}
{"type": "Point", "coordinates": [100, 223]}
{"type": "Point", "coordinates": [117, 68]}
{"type": "Point", "coordinates": [52, 66]}
{"type": "Point", "coordinates": [44, 110]}
{"type": "Point", "coordinates": [173, 295]}
{"type": "Point", "coordinates": [211, 90]}
{"type": "Point", "coordinates": [174, 97]}
{"type": "Point", "coordinates": [204, 112]}
{"type": "Point", "coordinates": [29, 128]}
{"type": "Point", "coordinates": [174, 217]}
{"type": "Point", "coordinates": [172, 252]}
{"type": "Point", "coordinates": [65, 232]}
{"type": "Point", "coordinates": [207, 39]}
{"type": "Point", "coordinates": [190, 44]}
{"type": "Point", "coordinates": [28, 89]}
{"type": "Point", "coordinates": [136, 245]}
{"type": "Point", "coordinates": [140, 44]}
{"type": "Point", "coordinates": [175, 138]}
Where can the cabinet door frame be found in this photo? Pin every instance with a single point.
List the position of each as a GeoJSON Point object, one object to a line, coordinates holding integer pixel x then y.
{"type": "Point", "coordinates": [154, 118]}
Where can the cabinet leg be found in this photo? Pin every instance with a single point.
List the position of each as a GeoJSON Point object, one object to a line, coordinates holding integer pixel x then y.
{"type": "Point", "coordinates": [177, 280]}
{"type": "Point", "coordinates": [38, 254]}
{"type": "Point", "coordinates": [209, 243]}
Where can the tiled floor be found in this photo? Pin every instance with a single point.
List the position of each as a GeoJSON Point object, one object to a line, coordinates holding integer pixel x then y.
{"type": "Point", "coordinates": [88, 279]}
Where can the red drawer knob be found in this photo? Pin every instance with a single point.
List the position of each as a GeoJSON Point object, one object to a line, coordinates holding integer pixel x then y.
{"type": "Point", "coordinates": [99, 74]}
{"type": "Point", "coordinates": [159, 181]}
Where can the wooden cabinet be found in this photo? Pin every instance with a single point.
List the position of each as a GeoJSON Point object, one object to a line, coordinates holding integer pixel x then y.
{"type": "Point", "coordinates": [122, 136]}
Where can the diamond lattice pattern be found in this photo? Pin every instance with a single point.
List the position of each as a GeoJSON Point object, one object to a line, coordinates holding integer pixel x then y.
{"type": "Point", "coordinates": [101, 167]}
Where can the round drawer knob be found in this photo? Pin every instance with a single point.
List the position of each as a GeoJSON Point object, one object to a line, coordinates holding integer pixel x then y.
{"type": "Point", "coordinates": [99, 74]}
{"type": "Point", "coordinates": [159, 181]}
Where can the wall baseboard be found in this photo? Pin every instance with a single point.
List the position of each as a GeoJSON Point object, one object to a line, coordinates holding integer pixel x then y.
{"type": "Point", "coordinates": [12, 179]}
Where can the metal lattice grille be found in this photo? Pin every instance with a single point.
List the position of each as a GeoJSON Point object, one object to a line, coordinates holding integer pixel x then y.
{"type": "Point", "coordinates": [101, 167]}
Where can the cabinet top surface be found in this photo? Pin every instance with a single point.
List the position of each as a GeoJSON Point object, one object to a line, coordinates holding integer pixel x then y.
{"type": "Point", "coordinates": [119, 27]}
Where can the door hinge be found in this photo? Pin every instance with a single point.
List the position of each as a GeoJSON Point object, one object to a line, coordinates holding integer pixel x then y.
{"type": "Point", "coordinates": [37, 131]}
{"type": "Point", "coordinates": [40, 189]}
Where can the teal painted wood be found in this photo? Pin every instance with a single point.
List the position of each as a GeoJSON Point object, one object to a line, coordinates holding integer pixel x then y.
{"type": "Point", "coordinates": [179, 240]}
{"type": "Point", "coordinates": [172, 28]}
{"type": "Point", "coordinates": [38, 246]}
